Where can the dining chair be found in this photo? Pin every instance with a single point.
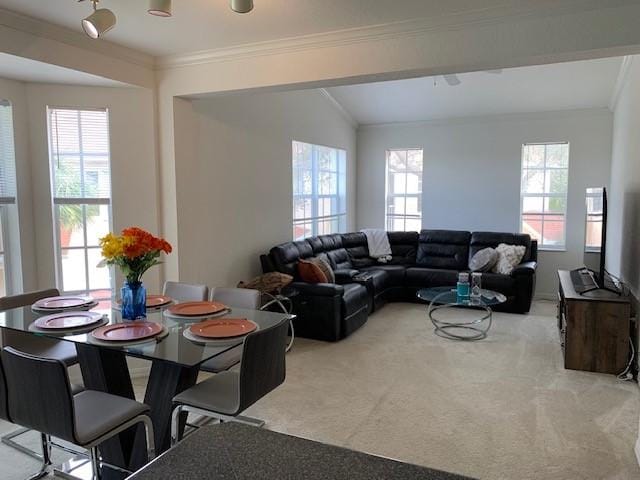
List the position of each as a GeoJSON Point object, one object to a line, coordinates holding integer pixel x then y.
{"type": "Point", "coordinates": [225, 395]}
{"type": "Point", "coordinates": [40, 398]}
{"type": "Point", "coordinates": [38, 346]}
{"type": "Point", "coordinates": [245, 298]}
{"type": "Point", "coordinates": [185, 292]}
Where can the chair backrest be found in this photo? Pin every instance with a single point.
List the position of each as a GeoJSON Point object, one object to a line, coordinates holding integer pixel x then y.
{"type": "Point", "coordinates": [26, 299]}
{"type": "Point", "coordinates": [4, 400]}
{"type": "Point", "coordinates": [39, 394]}
{"type": "Point", "coordinates": [237, 297]}
{"type": "Point", "coordinates": [185, 292]}
{"type": "Point", "coordinates": [263, 363]}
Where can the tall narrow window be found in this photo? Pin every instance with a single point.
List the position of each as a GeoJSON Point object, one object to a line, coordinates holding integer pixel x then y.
{"type": "Point", "coordinates": [404, 190]}
{"type": "Point", "coordinates": [81, 186]}
{"type": "Point", "coordinates": [7, 191]}
{"type": "Point", "coordinates": [319, 190]}
{"type": "Point", "coordinates": [543, 206]}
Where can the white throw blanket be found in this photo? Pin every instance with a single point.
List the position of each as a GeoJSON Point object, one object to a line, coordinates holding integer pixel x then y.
{"type": "Point", "coordinates": [378, 242]}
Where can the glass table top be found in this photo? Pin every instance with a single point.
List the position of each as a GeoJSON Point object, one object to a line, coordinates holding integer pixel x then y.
{"type": "Point", "coordinates": [172, 348]}
{"type": "Point", "coordinates": [449, 296]}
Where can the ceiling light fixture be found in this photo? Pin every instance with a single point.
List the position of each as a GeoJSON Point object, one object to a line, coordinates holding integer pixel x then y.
{"type": "Point", "coordinates": [99, 22]}
{"type": "Point", "coordinates": [160, 8]}
{"type": "Point", "coordinates": [241, 6]}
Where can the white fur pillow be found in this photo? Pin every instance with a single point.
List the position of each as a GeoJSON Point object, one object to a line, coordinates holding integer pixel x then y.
{"type": "Point", "coordinates": [508, 257]}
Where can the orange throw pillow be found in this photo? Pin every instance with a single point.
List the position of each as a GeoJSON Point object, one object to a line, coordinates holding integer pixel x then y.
{"type": "Point", "coordinates": [310, 272]}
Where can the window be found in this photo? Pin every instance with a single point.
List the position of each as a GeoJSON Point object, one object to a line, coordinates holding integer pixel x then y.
{"type": "Point", "coordinates": [404, 190]}
{"type": "Point", "coordinates": [81, 188]}
{"type": "Point", "coordinates": [595, 204]}
{"type": "Point", "coordinates": [319, 190]}
{"type": "Point", "coordinates": [7, 191]}
{"type": "Point", "coordinates": [543, 206]}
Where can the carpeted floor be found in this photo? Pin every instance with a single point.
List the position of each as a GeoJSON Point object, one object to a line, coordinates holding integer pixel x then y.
{"type": "Point", "coordinates": [501, 408]}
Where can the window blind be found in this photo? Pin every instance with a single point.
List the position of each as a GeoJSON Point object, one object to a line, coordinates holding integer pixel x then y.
{"type": "Point", "coordinates": [79, 148]}
{"type": "Point", "coordinates": [7, 155]}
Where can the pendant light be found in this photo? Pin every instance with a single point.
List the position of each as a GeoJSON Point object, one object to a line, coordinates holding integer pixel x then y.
{"type": "Point", "coordinates": [241, 6]}
{"type": "Point", "coordinates": [99, 22]}
{"type": "Point", "coordinates": [160, 8]}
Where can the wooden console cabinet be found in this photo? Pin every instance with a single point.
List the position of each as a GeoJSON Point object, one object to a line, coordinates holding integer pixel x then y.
{"type": "Point", "coordinates": [594, 328]}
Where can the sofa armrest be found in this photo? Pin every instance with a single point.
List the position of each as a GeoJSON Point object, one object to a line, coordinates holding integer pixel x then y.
{"type": "Point", "coordinates": [345, 275]}
{"type": "Point", "coordinates": [318, 289]}
{"type": "Point", "coordinates": [525, 268]}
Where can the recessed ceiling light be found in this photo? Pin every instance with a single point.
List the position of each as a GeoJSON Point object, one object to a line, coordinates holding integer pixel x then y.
{"type": "Point", "coordinates": [241, 6]}
{"type": "Point", "coordinates": [99, 22]}
{"type": "Point", "coordinates": [160, 8]}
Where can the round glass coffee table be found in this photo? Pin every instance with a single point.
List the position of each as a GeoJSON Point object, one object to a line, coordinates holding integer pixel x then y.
{"type": "Point", "coordinates": [440, 298]}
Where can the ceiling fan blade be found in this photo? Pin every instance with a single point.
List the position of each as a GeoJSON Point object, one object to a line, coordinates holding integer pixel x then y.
{"type": "Point", "coordinates": [452, 80]}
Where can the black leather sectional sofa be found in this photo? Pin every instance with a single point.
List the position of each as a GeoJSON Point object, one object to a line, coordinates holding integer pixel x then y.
{"type": "Point", "coordinates": [328, 311]}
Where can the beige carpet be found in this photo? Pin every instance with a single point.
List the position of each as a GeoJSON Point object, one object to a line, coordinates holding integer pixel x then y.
{"type": "Point", "coordinates": [502, 408]}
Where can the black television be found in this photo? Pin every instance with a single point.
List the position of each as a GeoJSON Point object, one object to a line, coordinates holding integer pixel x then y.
{"type": "Point", "coordinates": [594, 275]}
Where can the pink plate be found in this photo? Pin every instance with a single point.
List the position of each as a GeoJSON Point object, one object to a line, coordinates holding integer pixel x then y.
{"type": "Point", "coordinates": [194, 309]}
{"type": "Point", "coordinates": [223, 328]}
{"type": "Point", "coordinates": [68, 320]}
{"type": "Point", "coordinates": [127, 332]}
{"type": "Point", "coordinates": [56, 303]}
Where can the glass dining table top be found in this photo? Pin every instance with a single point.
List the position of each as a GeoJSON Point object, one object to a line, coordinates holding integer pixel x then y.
{"type": "Point", "coordinates": [173, 347]}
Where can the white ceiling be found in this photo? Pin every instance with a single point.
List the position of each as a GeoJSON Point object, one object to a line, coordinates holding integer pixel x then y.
{"type": "Point", "coordinates": [209, 24]}
{"type": "Point", "coordinates": [563, 86]}
{"type": "Point", "coordinates": [27, 70]}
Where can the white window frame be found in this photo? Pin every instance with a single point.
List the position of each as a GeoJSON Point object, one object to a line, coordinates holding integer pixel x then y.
{"type": "Point", "coordinates": [80, 201]}
{"type": "Point", "coordinates": [7, 202]}
{"type": "Point", "coordinates": [388, 217]}
{"type": "Point", "coordinates": [340, 197]}
{"type": "Point", "coordinates": [541, 245]}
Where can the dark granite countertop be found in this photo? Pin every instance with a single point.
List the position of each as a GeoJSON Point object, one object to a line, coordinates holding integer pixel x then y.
{"type": "Point", "coordinates": [235, 451]}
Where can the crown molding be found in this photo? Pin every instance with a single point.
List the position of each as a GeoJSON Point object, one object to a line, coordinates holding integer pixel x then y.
{"type": "Point", "coordinates": [387, 31]}
{"type": "Point", "coordinates": [623, 73]}
{"type": "Point", "coordinates": [49, 31]}
{"type": "Point", "coordinates": [338, 106]}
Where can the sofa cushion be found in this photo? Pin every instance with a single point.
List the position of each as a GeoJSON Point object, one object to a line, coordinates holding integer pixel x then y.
{"type": "Point", "coordinates": [354, 298]}
{"type": "Point", "coordinates": [480, 240]}
{"type": "Point", "coordinates": [379, 280]}
{"type": "Point", "coordinates": [356, 246]}
{"type": "Point", "coordinates": [421, 277]}
{"type": "Point", "coordinates": [286, 255]}
{"type": "Point", "coordinates": [484, 260]}
{"type": "Point", "coordinates": [504, 284]}
{"type": "Point", "coordinates": [404, 247]}
{"type": "Point", "coordinates": [340, 259]}
{"type": "Point", "coordinates": [310, 272]}
{"type": "Point", "coordinates": [448, 249]}
{"type": "Point", "coordinates": [395, 274]}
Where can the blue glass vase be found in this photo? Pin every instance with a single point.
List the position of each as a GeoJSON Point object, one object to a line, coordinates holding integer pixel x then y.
{"type": "Point", "coordinates": [134, 301]}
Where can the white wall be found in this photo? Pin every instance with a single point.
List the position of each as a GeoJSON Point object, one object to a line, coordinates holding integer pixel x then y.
{"type": "Point", "coordinates": [233, 169]}
{"type": "Point", "coordinates": [133, 163]}
{"type": "Point", "coordinates": [623, 232]}
{"type": "Point", "coordinates": [472, 173]}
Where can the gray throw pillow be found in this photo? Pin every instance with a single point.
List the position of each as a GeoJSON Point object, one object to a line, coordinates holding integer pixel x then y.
{"type": "Point", "coordinates": [323, 264]}
{"type": "Point", "coordinates": [484, 260]}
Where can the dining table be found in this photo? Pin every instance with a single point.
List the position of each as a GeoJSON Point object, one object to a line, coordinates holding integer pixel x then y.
{"type": "Point", "coordinates": [175, 364]}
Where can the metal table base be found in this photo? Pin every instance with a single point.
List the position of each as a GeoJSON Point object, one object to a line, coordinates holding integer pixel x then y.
{"type": "Point", "coordinates": [477, 328]}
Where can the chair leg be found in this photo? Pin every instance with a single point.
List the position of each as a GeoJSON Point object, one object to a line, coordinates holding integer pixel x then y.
{"type": "Point", "coordinates": [8, 439]}
{"type": "Point", "coordinates": [46, 458]}
{"type": "Point", "coordinates": [151, 443]}
{"type": "Point", "coordinates": [95, 463]}
{"type": "Point", "coordinates": [175, 425]}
